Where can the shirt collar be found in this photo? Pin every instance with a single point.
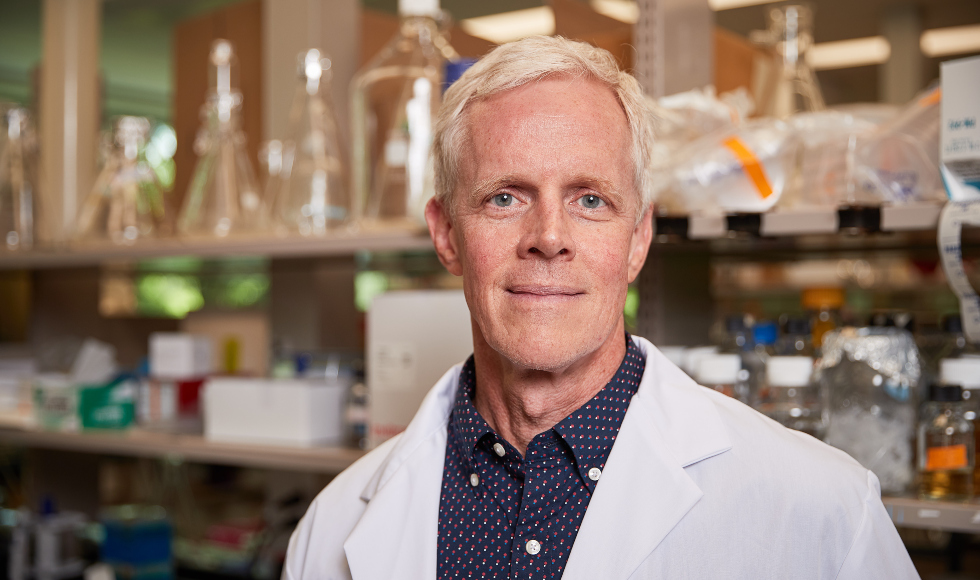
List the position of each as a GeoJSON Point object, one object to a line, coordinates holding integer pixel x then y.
{"type": "Point", "coordinates": [589, 431]}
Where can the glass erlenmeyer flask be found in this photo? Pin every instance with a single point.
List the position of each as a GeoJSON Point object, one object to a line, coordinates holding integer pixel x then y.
{"type": "Point", "coordinates": [791, 86]}
{"type": "Point", "coordinates": [395, 99]}
{"type": "Point", "coordinates": [222, 197]}
{"type": "Point", "coordinates": [309, 189]}
{"type": "Point", "coordinates": [127, 202]}
{"type": "Point", "coordinates": [18, 179]}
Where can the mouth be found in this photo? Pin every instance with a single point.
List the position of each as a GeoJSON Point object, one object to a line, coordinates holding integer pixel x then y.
{"type": "Point", "coordinates": [532, 291]}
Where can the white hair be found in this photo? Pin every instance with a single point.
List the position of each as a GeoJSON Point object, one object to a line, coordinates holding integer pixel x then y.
{"type": "Point", "coordinates": [515, 64]}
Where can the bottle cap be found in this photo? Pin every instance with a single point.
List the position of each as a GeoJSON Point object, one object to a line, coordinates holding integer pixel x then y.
{"type": "Point", "coordinates": [418, 7]}
{"type": "Point", "coordinates": [953, 324]}
{"type": "Point", "coordinates": [797, 326]}
{"type": "Point", "coordinates": [960, 371]}
{"type": "Point", "coordinates": [789, 371]}
{"type": "Point", "coordinates": [735, 323]}
{"type": "Point", "coordinates": [719, 369]}
{"type": "Point", "coordinates": [946, 393]}
{"type": "Point", "coordinates": [821, 298]}
{"type": "Point", "coordinates": [694, 356]}
{"type": "Point", "coordinates": [765, 333]}
{"type": "Point", "coordinates": [675, 354]}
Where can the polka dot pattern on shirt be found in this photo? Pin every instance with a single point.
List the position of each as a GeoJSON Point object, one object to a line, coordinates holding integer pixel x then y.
{"type": "Point", "coordinates": [513, 517]}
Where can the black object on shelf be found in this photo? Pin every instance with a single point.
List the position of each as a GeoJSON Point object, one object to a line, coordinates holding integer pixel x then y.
{"type": "Point", "coordinates": [859, 219]}
{"type": "Point", "coordinates": [671, 226]}
{"type": "Point", "coordinates": [745, 223]}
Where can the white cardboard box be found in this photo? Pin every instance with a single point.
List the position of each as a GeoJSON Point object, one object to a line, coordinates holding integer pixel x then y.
{"type": "Point", "coordinates": [178, 355]}
{"type": "Point", "coordinates": [413, 338]}
{"type": "Point", "coordinates": [294, 412]}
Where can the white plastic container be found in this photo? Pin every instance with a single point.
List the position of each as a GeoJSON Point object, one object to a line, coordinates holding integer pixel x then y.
{"type": "Point", "coordinates": [177, 356]}
{"type": "Point", "coordinates": [291, 412]}
{"type": "Point", "coordinates": [722, 372]}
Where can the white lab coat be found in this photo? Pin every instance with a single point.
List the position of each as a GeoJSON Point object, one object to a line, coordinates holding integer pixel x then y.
{"type": "Point", "coordinates": [697, 486]}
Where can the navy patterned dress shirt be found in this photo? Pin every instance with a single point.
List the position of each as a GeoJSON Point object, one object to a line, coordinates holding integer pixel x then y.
{"type": "Point", "coordinates": [504, 516]}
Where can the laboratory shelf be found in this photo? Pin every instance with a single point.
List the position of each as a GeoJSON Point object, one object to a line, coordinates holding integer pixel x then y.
{"type": "Point", "coordinates": [191, 448]}
{"type": "Point", "coordinates": [948, 516]}
{"type": "Point", "coordinates": [81, 254]}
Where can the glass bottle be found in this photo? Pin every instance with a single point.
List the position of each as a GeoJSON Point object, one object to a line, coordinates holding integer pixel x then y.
{"type": "Point", "coordinates": [946, 446]}
{"type": "Point", "coordinates": [792, 87]}
{"type": "Point", "coordinates": [308, 191]}
{"type": "Point", "coordinates": [738, 336]}
{"type": "Point", "coordinates": [395, 99]}
{"type": "Point", "coordinates": [795, 339]}
{"type": "Point", "coordinates": [222, 197]}
{"type": "Point", "coordinates": [127, 202]}
{"type": "Point", "coordinates": [723, 373]}
{"type": "Point", "coordinates": [791, 397]}
{"type": "Point", "coordinates": [823, 306]}
{"type": "Point", "coordinates": [18, 179]}
{"type": "Point", "coordinates": [966, 373]}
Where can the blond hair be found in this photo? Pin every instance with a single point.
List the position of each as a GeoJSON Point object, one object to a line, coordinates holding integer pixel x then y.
{"type": "Point", "coordinates": [515, 64]}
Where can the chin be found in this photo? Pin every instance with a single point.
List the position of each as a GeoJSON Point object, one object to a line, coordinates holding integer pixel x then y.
{"type": "Point", "coordinates": [543, 348]}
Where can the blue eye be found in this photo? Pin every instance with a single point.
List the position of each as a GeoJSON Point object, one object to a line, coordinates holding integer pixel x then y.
{"type": "Point", "coordinates": [503, 200]}
{"type": "Point", "coordinates": [591, 201]}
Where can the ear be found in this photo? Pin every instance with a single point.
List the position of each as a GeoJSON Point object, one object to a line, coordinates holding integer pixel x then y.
{"type": "Point", "coordinates": [443, 236]}
{"type": "Point", "coordinates": [640, 243]}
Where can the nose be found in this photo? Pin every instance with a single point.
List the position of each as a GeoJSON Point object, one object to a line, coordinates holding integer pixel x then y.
{"type": "Point", "coordinates": [547, 231]}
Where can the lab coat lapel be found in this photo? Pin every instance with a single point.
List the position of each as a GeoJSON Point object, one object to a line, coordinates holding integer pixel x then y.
{"type": "Point", "coordinates": [397, 536]}
{"type": "Point", "coordinates": [644, 491]}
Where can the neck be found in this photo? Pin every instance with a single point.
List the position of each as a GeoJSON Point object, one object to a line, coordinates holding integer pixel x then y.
{"type": "Point", "coordinates": [520, 402]}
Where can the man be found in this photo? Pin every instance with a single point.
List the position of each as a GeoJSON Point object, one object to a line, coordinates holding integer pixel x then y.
{"type": "Point", "coordinates": [563, 447]}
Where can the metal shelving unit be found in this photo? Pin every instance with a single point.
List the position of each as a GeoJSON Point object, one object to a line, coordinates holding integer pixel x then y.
{"type": "Point", "coordinates": [942, 515]}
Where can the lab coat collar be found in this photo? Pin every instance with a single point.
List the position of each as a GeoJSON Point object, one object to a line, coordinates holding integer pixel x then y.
{"type": "Point", "coordinates": [642, 494]}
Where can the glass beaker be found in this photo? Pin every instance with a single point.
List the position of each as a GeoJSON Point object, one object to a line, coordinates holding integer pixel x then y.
{"type": "Point", "coordinates": [127, 202]}
{"type": "Point", "coordinates": [307, 190]}
{"type": "Point", "coordinates": [18, 179]}
{"type": "Point", "coordinates": [792, 87]}
{"type": "Point", "coordinates": [222, 197]}
{"type": "Point", "coordinates": [395, 99]}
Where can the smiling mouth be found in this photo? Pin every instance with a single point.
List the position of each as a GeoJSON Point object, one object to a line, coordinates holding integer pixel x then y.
{"type": "Point", "coordinates": [535, 291]}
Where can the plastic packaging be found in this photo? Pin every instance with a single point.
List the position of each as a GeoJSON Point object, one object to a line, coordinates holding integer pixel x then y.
{"type": "Point", "coordinates": [899, 162]}
{"type": "Point", "coordinates": [871, 375]}
{"type": "Point", "coordinates": [222, 197]}
{"type": "Point", "coordinates": [791, 87]}
{"type": "Point", "coordinates": [395, 100]}
{"type": "Point", "coordinates": [307, 190]}
{"type": "Point", "coordinates": [127, 202]}
{"type": "Point", "coordinates": [745, 170]}
{"type": "Point", "coordinates": [946, 446]}
{"type": "Point", "coordinates": [18, 179]}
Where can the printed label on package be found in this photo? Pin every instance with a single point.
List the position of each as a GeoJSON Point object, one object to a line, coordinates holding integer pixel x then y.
{"type": "Point", "coordinates": [951, 222]}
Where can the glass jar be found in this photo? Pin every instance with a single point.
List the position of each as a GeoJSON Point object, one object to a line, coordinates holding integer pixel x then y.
{"type": "Point", "coordinates": [723, 373]}
{"type": "Point", "coordinates": [791, 397]}
{"type": "Point", "coordinates": [824, 308]}
{"type": "Point", "coordinates": [795, 339]}
{"type": "Point", "coordinates": [946, 446]}
{"type": "Point", "coordinates": [870, 375]}
{"type": "Point", "coordinates": [965, 372]}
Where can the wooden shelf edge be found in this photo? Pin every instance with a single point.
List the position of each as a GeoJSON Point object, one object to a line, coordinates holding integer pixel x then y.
{"type": "Point", "coordinates": [95, 253]}
{"type": "Point", "coordinates": [192, 448]}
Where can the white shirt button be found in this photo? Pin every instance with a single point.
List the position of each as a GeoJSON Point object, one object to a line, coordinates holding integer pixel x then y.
{"type": "Point", "coordinates": [474, 479]}
{"type": "Point", "coordinates": [532, 547]}
{"type": "Point", "coordinates": [499, 449]}
{"type": "Point", "coordinates": [594, 473]}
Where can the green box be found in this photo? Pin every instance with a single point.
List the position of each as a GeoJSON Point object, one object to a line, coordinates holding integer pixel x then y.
{"type": "Point", "coordinates": [109, 406]}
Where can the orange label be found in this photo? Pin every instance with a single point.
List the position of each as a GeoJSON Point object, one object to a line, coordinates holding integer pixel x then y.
{"type": "Point", "coordinates": [951, 457]}
{"type": "Point", "coordinates": [933, 97]}
{"type": "Point", "coordinates": [750, 165]}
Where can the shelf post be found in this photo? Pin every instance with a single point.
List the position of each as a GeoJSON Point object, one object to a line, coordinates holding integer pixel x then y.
{"type": "Point", "coordinates": [70, 113]}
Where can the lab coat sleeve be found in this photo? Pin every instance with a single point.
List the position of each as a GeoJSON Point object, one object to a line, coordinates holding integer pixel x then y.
{"type": "Point", "coordinates": [877, 552]}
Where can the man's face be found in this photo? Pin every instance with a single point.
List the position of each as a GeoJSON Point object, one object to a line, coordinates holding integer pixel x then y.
{"type": "Point", "coordinates": [545, 230]}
